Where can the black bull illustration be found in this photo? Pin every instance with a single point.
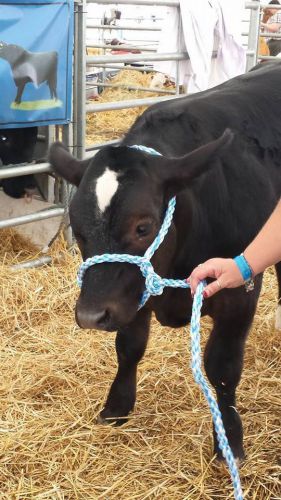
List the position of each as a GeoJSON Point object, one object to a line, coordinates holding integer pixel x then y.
{"type": "Point", "coordinates": [35, 67]}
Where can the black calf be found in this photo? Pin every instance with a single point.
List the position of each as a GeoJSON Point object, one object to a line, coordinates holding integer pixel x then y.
{"type": "Point", "coordinates": [17, 146]}
{"type": "Point", "coordinates": [223, 198]}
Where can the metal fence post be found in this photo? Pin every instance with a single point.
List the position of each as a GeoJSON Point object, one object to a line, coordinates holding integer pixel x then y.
{"type": "Point", "coordinates": [79, 81]}
{"type": "Point", "coordinates": [253, 40]}
{"type": "Point", "coordinates": [66, 190]}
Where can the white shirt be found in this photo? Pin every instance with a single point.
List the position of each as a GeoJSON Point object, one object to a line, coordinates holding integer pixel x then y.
{"type": "Point", "coordinates": [199, 28]}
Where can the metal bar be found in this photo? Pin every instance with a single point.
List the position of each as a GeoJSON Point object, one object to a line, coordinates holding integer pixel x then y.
{"type": "Point", "coordinates": [104, 53]}
{"type": "Point", "coordinates": [15, 171]}
{"type": "Point", "coordinates": [270, 35]}
{"type": "Point", "coordinates": [174, 3]}
{"type": "Point", "coordinates": [26, 219]}
{"type": "Point", "coordinates": [75, 83]}
{"type": "Point", "coordinates": [119, 67]}
{"type": "Point", "coordinates": [133, 103]}
{"type": "Point", "coordinates": [141, 40]}
{"type": "Point", "coordinates": [93, 147]}
{"type": "Point", "coordinates": [41, 261]}
{"type": "Point", "coordinates": [268, 58]}
{"type": "Point", "coordinates": [253, 38]}
{"type": "Point", "coordinates": [252, 5]}
{"type": "Point", "coordinates": [164, 3]}
{"type": "Point", "coordinates": [65, 191]}
{"type": "Point", "coordinates": [270, 6]}
{"type": "Point", "coordinates": [143, 68]}
{"type": "Point", "coordinates": [81, 88]}
{"type": "Point", "coordinates": [170, 56]}
{"type": "Point", "coordinates": [131, 87]}
{"type": "Point", "coordinates": [169, 3]}
{"type": "Point", "coordinates": [121, 47]}
{"type": "Point", "coordinates": [90, 25]}
{"type": "Point", "coordinates": [177, 79]}
{"type": "Point", "coordinates": [266, 34]}
{"type": "Point", "coordinates": [126, 18]}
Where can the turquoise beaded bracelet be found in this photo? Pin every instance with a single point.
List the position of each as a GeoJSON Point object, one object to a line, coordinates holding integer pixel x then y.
{"type": "Point", "coordinates": [246, 271]}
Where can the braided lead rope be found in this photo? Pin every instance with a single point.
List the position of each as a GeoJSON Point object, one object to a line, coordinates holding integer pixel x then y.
{"type": "Point", "coordinates": [202, 382]}
{"type": "Point", "coordinates": [155, 286]}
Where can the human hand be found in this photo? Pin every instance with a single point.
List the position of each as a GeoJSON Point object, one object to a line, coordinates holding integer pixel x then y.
{"type": "Point", "coordinates": [225, 272]}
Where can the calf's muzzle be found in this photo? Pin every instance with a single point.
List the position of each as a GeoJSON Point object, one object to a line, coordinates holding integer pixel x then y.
{"type": "Point", "coordinates": [103, 318]}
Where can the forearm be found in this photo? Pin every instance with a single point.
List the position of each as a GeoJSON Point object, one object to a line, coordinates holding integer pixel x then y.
{"type": "Point", "coordinates": [271, 28]}
{"type": "Point", "coordinates": [265, 249]}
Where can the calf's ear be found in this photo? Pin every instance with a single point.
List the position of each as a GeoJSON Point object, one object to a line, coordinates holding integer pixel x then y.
{"type": "Point", "coordinates": [65, 165]}
{"type": "Point", "coordinates": [180, 172]}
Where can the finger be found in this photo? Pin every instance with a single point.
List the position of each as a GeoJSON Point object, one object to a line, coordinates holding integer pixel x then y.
{"type": "Point", "coordinates": [193, 281]}
{"type": "Point", "coordinates": [200, 273]}
{"type": "Point", "coordinates": [213, 288]}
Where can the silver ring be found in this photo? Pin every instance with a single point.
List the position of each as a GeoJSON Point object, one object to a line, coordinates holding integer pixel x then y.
{"type": "Point", "coordinates": [219, 284]}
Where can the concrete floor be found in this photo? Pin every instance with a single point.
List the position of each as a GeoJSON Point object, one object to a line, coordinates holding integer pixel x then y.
{"type": "Point", "coordinates": [40, 233]}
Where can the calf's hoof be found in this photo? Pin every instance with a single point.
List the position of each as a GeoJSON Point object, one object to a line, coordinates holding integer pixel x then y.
{"type": "Point", "coordinates": [107, 418]}
{"type": "Point", "coordinates": [238, 457]}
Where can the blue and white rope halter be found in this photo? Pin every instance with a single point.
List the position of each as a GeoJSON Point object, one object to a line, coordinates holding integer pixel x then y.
{"type": "Point", "coordinates": [154, 286]}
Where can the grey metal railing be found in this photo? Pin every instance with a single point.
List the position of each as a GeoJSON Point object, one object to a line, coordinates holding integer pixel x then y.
{"type": "Point", "coordinates": [132, 87]}
{"type": "Point", "coordinates": [34, 217]}
{"type": "Point", "coordinates": [264, 34]}
{"type": "Point", "coordinates": [123, 46]}
{"type": "Point", "coordinates": [24, 169]}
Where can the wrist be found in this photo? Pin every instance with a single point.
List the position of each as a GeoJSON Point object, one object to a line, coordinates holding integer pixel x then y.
{"type": "Point", "coordinates": [245, 270]}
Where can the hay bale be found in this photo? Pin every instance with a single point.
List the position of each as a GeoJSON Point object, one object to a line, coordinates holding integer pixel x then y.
{"type": "Point", "coordinates": [110, 125]}
{"type": "Point", "coordinates": [94, 51]}
{"type": "Point", "coordinates": [55, 377]}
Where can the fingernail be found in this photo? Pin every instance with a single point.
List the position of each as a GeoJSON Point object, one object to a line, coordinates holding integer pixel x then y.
{"type": "Point", "coordinates": [205, 294]}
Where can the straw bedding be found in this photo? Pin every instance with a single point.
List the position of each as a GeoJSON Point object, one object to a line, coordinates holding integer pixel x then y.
{"type": "Point", "coordinates": [55, 378]}
{"type": "Point", "coordinates": [113, 124]}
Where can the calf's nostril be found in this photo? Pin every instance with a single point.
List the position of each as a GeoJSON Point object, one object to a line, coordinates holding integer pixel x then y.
{"type": "Point", "coordinates": [90, 319]}
{"type": "Point", "coordinates": [102, 318]}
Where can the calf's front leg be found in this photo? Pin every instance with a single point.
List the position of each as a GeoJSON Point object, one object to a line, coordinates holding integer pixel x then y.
{"type": "Point", "coordinates": [130, 345]}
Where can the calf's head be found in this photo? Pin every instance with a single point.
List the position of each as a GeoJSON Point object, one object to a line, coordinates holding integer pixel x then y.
{"type": "Point", "coordinates": [119, 207]}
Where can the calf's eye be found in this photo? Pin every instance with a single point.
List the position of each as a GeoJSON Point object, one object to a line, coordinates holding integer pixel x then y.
{"type": "Point", "coordinates": [143, 229]}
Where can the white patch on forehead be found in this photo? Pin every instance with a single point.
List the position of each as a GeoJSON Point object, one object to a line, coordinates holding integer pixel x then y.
{"type": "Point", "coordinates": [106, 187]}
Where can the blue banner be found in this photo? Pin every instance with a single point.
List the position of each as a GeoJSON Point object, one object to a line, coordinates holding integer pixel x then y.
{"type": "Point", "coordinates": [36, 47]}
